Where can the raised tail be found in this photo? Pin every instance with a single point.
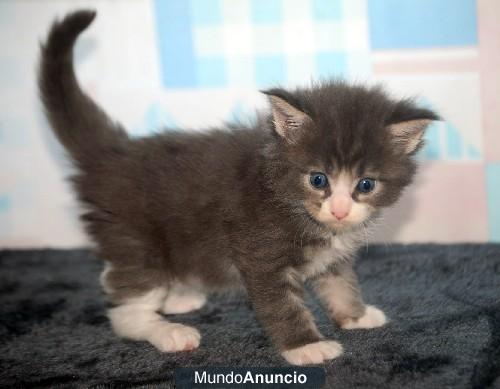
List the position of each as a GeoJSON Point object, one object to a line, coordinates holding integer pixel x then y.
{"type": "Point", "coordinates": [80, 125]}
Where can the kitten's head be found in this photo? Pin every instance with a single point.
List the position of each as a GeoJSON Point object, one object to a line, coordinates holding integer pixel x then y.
{"type": "Point", "coordinates": [344, 151]}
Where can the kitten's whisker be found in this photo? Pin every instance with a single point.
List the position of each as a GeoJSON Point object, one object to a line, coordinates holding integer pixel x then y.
{"type": "Point", "coordinates": [379, 222]}
{"type": "Point", "coordinates": [365, 233]}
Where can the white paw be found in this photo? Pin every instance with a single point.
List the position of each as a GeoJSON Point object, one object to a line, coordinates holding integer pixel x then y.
{"type": "Point", "coordinates": [313, 353]}
{"type": "Point", "coordinates": [171, 337]}
{"type": "Point", "coordinates": [175, 304]}
{"type": "Point", "coordinates": [372, 318]}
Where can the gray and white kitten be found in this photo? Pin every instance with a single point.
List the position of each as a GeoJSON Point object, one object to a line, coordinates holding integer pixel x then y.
{"type": "Point", "coordinates": [178, 214]}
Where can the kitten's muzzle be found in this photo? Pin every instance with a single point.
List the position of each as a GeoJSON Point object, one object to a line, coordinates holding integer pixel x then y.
{"type": "Point", "coordinates": [340, 206]}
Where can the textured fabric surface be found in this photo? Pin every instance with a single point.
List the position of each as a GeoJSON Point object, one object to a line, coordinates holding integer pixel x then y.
{"type": "Point", "coordinates": [443, 303]}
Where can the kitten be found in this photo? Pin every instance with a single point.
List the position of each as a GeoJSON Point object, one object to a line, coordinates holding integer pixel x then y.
{"type": "Point", "coordinates": [179, 214]}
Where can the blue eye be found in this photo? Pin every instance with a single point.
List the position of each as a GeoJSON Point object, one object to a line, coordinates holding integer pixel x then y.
{"type": "Point", "coordinates": [318, 180]}
{"type": "Point", "coordinates": [365, 185]}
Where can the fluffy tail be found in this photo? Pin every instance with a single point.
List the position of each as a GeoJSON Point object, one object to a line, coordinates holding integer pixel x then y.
{"type": "Point", "coordinates": [80, 125]}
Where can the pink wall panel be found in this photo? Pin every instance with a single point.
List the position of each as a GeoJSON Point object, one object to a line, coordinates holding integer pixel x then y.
{"type": "Point", "coordinates": [489, 57]}
{"type": "Point", "coordinates": [446, 204]}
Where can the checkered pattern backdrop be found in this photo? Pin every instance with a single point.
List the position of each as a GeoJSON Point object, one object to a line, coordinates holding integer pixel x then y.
{"type": "Point", "coordinates": [196, 63]}
{"type": "Point", "coordinates": [258, 43]}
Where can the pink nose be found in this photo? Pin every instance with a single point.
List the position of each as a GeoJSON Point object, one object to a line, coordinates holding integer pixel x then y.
{"type": "Point", "coordinates": [341, 206]}
{"type": "Point", "coordinates": [340, 214]}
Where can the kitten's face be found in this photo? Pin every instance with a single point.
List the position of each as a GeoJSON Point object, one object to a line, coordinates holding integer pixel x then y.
{"type": "Point", "coordinates": [348, 149]}
{"type": "Point", "coordinates": [342, 196]}
{"type": "Point", "coordinates": [340, 200]}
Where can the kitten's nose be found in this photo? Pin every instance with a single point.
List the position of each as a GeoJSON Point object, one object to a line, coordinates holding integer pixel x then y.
{"type": "Point", "coordinates": [340, 214]}
{"type": "Point", "coordinates": [341, 206]}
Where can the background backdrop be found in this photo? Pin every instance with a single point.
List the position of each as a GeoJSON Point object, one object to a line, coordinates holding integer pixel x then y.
{"type": "Point", "coordinates": [198, 62]}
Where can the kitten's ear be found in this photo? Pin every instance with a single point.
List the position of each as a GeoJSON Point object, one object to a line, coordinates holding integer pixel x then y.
{"type": "Point", "coordinates": [408, 135]}
{"type": "Point", "coordinates": [288, 120]}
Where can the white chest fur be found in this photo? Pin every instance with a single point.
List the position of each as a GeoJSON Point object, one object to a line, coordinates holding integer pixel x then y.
{"type": "Point", "coordinates": [341, 247]}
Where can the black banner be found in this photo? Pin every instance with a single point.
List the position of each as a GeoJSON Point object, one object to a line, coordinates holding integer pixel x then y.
{"type": "Point", "coordinates": [249, 377]}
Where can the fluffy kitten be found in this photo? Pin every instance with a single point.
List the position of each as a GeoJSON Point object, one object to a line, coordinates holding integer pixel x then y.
{"type": "Point", "coordinates": [178, 214]}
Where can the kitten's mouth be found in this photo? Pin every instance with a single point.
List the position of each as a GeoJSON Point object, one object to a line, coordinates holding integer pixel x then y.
{"type": "Point", "coordinates": [340, 225]}
{"type": "Point", "coordinates": [332, 223]}
{"type": "Point", "coordinates": [348, 225]}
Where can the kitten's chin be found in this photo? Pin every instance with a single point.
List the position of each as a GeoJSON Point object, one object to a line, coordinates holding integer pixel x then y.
{"type": "Point", "coordinates": [336, 226]}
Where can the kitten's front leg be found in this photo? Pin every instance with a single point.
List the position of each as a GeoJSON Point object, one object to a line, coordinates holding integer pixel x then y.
{"type": "Point", "coordinates": [278, 303]}
{"type": "Point", "coordinates": [339, 290]}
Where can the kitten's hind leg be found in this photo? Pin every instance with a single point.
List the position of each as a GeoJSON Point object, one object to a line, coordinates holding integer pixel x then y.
{"type": "Point", "coordinates": [137, 318]}
{"type": "Point", "coordinates": [182, 299]}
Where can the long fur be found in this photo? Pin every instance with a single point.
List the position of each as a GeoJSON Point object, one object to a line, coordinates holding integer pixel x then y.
{"type": "Point", "coordinates": [80, 125]}
{"type": "Point", "coordinates": [228, 206]}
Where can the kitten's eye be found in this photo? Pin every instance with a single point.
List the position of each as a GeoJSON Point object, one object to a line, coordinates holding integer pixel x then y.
{"type": "Point", "coordinates": [318, 180]}
{"type": "Point", "coordinates": [365, 185]}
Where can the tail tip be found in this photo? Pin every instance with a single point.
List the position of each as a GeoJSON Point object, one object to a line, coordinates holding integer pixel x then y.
{"type": "Point", "coordinates": [63, 33]}
{"type": "Point", "coordinates": [80, 19]}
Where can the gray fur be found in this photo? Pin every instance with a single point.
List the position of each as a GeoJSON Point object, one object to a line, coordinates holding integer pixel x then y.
{"type": "Point", "coordinates": [226, 206]}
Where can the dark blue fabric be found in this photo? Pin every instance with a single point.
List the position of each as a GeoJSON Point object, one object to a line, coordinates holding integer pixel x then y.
{"type": "Point", "coordinates": [444, 331]}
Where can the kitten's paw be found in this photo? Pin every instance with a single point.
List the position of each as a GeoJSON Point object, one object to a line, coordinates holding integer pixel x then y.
{"type": "Point", "coordinates": [175, 304]}
{"type": "Point", "coordinates": [372, 318]}
{"type": "Point", "coordinates": [172, 337]}
{"type": "Point", "coordinates": [317, 352]}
